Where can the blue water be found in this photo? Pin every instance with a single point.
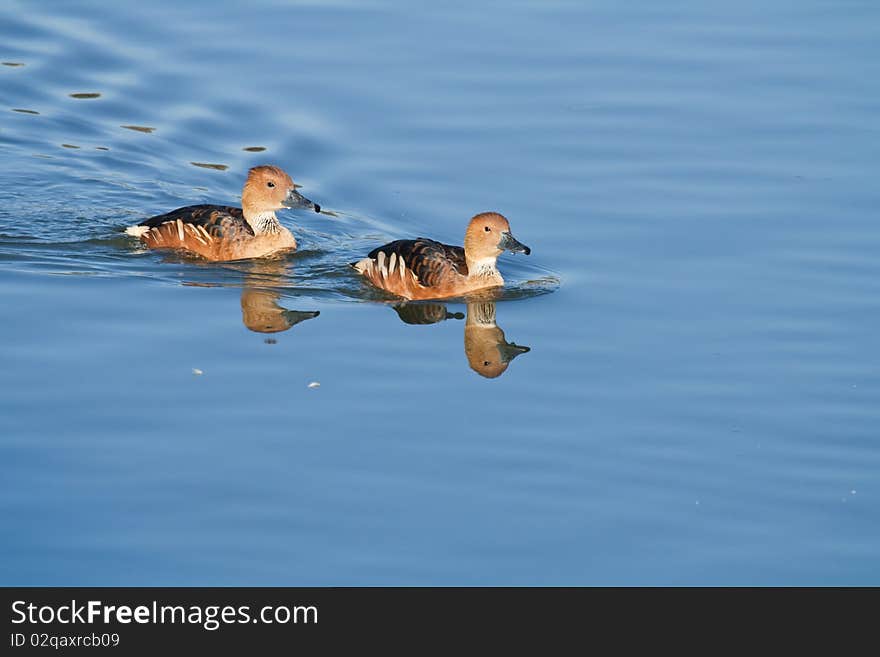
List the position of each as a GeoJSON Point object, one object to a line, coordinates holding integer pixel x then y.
{"type": "Point", "coordinates": [697, 182]}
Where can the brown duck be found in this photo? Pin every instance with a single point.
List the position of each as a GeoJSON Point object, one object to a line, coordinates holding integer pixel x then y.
{"type": "Point", "coordinates": [426, 269]}
{"type": "Point", "coordinates": [218, 232]}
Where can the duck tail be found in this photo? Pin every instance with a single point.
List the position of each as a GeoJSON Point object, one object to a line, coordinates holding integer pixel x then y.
{"type": "Point", "coordinates": [361, 265]}
{"type": "Point", "coordinates": [137, 231]}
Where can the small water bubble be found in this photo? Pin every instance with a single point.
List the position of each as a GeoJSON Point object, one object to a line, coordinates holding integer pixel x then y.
{"type": "Point", "coordinates": [314, 384]}
{"type": "Point", "coordinates": [197, 371]}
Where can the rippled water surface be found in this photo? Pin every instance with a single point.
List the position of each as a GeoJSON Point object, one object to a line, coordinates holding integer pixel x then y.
{"type": "Point", "coordinates": [679, 385]}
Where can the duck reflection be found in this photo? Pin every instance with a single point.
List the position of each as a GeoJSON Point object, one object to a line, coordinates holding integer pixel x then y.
{"type": "Point", "coordinates": [261, 311]}
{"type": "Point", "coordinates": [424, 313]}
{"type": "Point", "coordinates": [488, 352]}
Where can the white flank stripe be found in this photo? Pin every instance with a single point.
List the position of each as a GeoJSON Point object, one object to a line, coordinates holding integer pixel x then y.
{"type": "Point", "coordinates": [195, 233]}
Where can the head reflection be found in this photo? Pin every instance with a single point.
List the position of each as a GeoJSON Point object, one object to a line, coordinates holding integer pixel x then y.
{"type": "Point", "coordinates": [263, 283]}
{"type": "Point", "coordinates": [261, 311]}
{"type": "Point", "coordinates": [488, 352]}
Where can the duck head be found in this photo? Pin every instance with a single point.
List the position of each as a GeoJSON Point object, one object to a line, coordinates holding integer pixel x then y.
{"type": "Point", "coordinates": [488, 236]}
{"type": "Point", "coordinates": [487, 350]}
{"type": "Point", "coordinates": [269, 188]}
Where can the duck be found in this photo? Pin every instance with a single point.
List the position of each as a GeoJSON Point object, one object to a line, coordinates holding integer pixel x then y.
{"type": "Point", "coordinates": [222, 233]}
{"type": "Point", "coordinates": [426, 269]}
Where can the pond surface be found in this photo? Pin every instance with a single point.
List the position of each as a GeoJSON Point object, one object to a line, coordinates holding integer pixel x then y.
{"type": "Point", "coordinates": [679, 386]}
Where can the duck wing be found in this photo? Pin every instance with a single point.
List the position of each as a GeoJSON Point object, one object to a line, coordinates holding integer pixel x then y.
{"type": "Point", "coordinates": [432, 263]}
{"type": "Point", "coordinates": [219, 221]}
{"type": "Point", "coordinates": [214, 232]}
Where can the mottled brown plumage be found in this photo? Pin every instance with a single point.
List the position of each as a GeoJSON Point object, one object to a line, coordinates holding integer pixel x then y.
{"type": "Point", "coordinates": [219, 232]}
{"type": "Point", "coordinates": [427, 269]}
{"type": "Point", "coordinates": [430, 262]}
{"type": "Point", "coordinates": [211, 231]}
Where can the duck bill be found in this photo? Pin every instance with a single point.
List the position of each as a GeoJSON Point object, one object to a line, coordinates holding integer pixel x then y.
{"type": "Point", "coordinates": [509, 351]}
{"type": "Point", "coordinates": [510, 243]}
{"type": "Point", "coordinates": [294, 317]}
{"type": "Point", "coordinates": [296, 200]}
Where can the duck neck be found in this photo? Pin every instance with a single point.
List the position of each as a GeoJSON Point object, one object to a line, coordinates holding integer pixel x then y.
{"type": "Point", "coordinates": [481, 313]}
{"type": "Point", "coordinates": [482, 267]}
{"type": "Point", "coordinates": [263, 223]}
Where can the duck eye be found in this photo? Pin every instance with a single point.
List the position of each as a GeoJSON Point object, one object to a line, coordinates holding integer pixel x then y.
{"type": "Point", "coordinates": [270, 184]}
{"type": "Point", "coordinates": [488, 229]}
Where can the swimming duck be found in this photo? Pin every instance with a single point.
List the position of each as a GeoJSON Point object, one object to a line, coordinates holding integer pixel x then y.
{"type": "Point", "coordinates": [218, 232]}
{"type": "Point", "coordinates": [425, 269]}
